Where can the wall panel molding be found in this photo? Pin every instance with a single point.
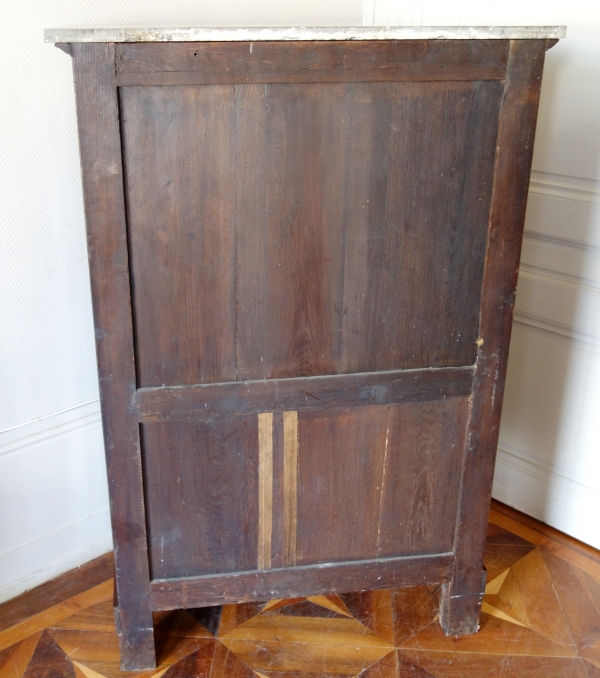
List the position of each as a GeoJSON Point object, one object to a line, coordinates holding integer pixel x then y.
{"type": "Point", "coordinates": [565, 187]}
{"type": "Point", "coordinates": [551, 497]}
{"type": "Point", "coordinates": [53, 499]}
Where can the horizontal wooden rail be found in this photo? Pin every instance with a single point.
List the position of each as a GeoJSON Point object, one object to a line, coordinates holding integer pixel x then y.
{"type": "Point", "coordinates": [205, 402]}
{"type": "Point", "coordinates": [203, 63]}
{"type": "Point", "coordinates": [291, 582]}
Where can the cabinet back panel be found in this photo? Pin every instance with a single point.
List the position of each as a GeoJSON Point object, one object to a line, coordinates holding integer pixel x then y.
{"type": "Point", "coordinates": [379, 481]}
{"type": "Point", "coordinates": [256, 254]}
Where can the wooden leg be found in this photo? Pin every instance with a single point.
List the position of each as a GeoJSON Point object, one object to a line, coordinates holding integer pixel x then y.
{"type": "Point", "coordinates": [136, 642]}
{"type": "Point", "coordinates": [460, 608]}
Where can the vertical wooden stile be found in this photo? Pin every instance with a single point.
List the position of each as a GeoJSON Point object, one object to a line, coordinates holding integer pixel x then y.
{"type": "Point", "coordinates": [100, 147]}
{"type": "Point", "coordinates": [461, 598]}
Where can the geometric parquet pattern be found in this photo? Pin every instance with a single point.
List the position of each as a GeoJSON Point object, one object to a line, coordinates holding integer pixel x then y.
{"type": "Point", "coordinates": [540, 619]}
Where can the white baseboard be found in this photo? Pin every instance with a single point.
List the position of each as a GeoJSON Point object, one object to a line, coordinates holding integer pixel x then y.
{"type": "Point", "coordinates": [75, 543]}
{"type": "Point", "coordinates": [556, 500]}
{"type": "Point", "coordinates": [53, 498]}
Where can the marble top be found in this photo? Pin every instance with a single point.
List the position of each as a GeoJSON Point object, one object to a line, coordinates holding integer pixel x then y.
{"type": "Point", "coordinates": [329, 33]}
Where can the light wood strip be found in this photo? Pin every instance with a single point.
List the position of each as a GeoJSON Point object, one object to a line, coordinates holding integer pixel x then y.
{"type": "Point", "coordinates": [54, 614]}
{"type": "Point", "coordinates": [265, 489]}
{"type": "Point", "coordinates": [290, 484]}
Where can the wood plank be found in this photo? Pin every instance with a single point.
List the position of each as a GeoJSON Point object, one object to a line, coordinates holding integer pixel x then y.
{"type": "Point", "coordinates": [57, 590]}
{"type": "Point", "coordinates": [340, 466]}
{"type": "Point", "coordinates": [100, 148]}
{"type": "Point", "coordinates": [211, 401]}
{"type": "Point", "coordinates": [419, 501]}
{"type": "Point", "coordinates": [179, 150]}
{"type": "Point", "coordinates": [518, 114]}
{"type": "Point", "coordinates": [418, 195]}
{"type": "Point", "coordinates": [279, 531]}
{"type": "Point", "coordinates": [291, 217]}
{"type": "Point", "coordinates": [541, 528]}
{"type": "Point", "coordinates": [314, 61]}
{"type": "Point", "coordinates": [379, 481]}
{"type": "Point", "coordinates": [290, 485]}
{"type": "Point", "coordinates": [202, 496]}
{"type": "Point", "coordinates": [265, 489]}
{"type": "Point", "coordinates": [56, 613]}
{"type": "Point", "coordinates": [170, 594]}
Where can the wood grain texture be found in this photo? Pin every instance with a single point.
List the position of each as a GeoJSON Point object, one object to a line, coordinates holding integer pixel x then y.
{"type": "Point", "coordinates": [265, 489]}
{"type": "Point", "coordinates": [56, 613]}
{"type": "Point", "coordinates": [518, 114]}
{"type": "Point", "coordinates": [290, 249]}
{"type": "Point", "coordinates": [315, 61]}
{"type": "Point", "coordinates": [210, 402]}
{"type": "Point", "coordinates": [100, 148]}
{"type": "Point", "coordinates": [290, 485]}
{"type": "Point", "coordinates": [332, 273]}
{"type": "Point", "coordinates": [425, 442]}
{"type": "Point", "coordinates": [296, 581]}
{"type": "Point", "coordinates": [56, 590]}
{"type": "Point", "coordinates": [418, 203]}
{"type": "Point", "coordinates": [179, 155]}
{"type": "Point", "coordinates": [202, 496]}
{"type": "Point", "coordinates": [379, 481]}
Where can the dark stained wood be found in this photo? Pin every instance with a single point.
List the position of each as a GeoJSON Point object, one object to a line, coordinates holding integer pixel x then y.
{"type": "Point", "coordinates": [303, 266]}
{"type": "Point", "coordinates": [209, 402]}
{"type": "Point", "coordinates": [326, 61]}
{"type": "Point", "coordinates": [100, 147]}
{"type": "Point", "coordinates": [418, 207]}
{"type": "Point", "coordinates": [278, 531]}
{"type": "Point", "coordinates": [332, 273]}
{"type": "Point", "coordinates": [181, 218]}
{"type": "Point", "coordinates": [300, 581]}
{"type": "Point", "coordinates": [49, 661]}
{"type": "Point", "coordinates": [461, 598]}
{"type": "Point", "coordinates": [201, 497]}
{"type": "Point", "coordinates": [379, 481]}
{"type": "Point", "coordinates": [56, 590]}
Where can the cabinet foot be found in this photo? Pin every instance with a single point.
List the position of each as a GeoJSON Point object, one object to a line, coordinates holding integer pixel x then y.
{"type": "Point", "coordinates": [460, 608]}
{"type": "Point", "coordinates": [136, 643]}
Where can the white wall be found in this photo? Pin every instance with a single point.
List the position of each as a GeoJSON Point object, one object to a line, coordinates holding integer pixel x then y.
{"type": "Point", "coordinates": [53, 501]}
{"type": "Point", "coordinates": [549, 453]}
{"type": "Point", "coordinates": [53, 497]}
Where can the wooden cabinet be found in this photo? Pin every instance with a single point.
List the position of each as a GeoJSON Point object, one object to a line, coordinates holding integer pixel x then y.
{"type": "Point", "coordinates": [303, 260]}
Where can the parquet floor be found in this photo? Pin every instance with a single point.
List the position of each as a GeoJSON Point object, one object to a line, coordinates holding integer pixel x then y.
{"type": "Point", "coordinates": [541, 618]}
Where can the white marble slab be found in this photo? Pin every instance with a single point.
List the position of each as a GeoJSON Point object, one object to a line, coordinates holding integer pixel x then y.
{"type": "Point", "coordinates": [329, 33]}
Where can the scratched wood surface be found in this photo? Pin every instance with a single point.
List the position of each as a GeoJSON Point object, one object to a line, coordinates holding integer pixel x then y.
{"type": "Point", "coordinates": [258, 255]}
{"type": "Point", "coordinates": [540, 618]}
{"type": "Point", "coordinates": [396, 466]}
{"type": "Point", "coordinates": [303, 266]}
